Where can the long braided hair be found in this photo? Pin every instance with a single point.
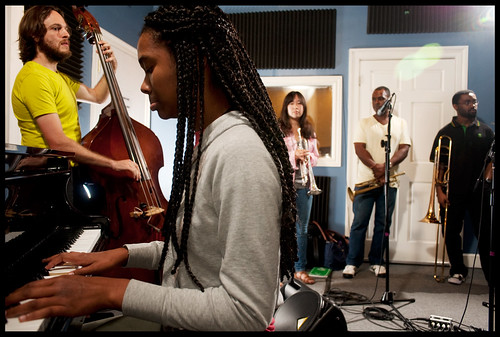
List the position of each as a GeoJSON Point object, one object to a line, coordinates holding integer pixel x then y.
{"type": "Point", "coordinates": [195, 34]}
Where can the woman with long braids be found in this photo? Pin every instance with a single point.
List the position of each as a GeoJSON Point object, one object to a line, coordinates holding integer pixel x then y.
{"type": "Point", "coordinates": [230, 224]}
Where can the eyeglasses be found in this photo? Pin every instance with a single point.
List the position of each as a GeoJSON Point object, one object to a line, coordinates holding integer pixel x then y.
{"type": "Point", "coordinates": [58, 28]}
{"type": "Point", "coordinates": [470, 102]}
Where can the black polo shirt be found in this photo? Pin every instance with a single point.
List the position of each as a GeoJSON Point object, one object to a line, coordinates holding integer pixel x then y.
{"type": "Point", "coordinates": [469, 148]}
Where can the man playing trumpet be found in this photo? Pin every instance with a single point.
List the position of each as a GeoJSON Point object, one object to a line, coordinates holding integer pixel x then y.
{"type": "Point", "coordinates": [371, 166]}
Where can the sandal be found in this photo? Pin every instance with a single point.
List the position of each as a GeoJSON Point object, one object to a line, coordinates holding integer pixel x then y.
{"type": "Point", "coordinates": [304, 277]}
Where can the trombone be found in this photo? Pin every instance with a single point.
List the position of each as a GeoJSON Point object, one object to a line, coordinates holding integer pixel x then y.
{"type": "Point", "coordinates": [306, 168]}
{"type": "Point", "coordinates": [430, 217]}
{"type": "Point", "coordinates": [369, 185]}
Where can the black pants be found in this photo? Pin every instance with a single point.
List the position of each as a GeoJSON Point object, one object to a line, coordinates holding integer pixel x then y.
{"type": "Point", "coordinates": [484, 230]}
{"type": "Point", "coordinates": [479, 212]}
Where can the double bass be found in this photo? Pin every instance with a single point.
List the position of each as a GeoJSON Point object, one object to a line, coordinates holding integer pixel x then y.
{"type": "Point", "coordinates": [136, 209]}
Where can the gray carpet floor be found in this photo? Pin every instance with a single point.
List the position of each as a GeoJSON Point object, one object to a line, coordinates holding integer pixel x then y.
{"type": "Point", "coordinates": [415, 297]}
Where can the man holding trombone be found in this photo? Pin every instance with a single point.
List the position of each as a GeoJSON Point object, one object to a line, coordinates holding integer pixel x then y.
{"type": "Point", "coordinates": [369, 136]}
{"type": "Point", "coordinates": [462, 190]}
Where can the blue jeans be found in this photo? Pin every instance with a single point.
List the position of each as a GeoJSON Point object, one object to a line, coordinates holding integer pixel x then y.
{"type": "Point", "coordinates": [362, 208]}
{"type": "Point", "coordinates": [304, 204]}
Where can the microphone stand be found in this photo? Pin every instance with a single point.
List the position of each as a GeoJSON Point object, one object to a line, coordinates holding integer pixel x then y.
{"type": "Point", "coordinates": [491, 281]}
{"type": "Point", "coordinates": [388, 296]}
{"type": "Point", "coordinates": [491, 304]}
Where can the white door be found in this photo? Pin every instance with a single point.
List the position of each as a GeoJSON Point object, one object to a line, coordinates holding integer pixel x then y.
{"type": "Point", "coordinates": [13, 65]}
{"type": "Point", "coordinates": [424, 80]}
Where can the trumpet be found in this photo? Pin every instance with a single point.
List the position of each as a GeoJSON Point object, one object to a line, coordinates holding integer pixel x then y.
{"type": "Point", "coordinates": [369, 185]}
{"type": "Point", "coordinates": [430, 217]}
{"type": "Point", "coordinates": [306, 171]}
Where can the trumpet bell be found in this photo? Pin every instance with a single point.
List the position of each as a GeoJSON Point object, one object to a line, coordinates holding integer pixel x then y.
{"type": "Point", "coordinates": [350, 193]}
{"type": "Point", "coordinates": [314, 191]}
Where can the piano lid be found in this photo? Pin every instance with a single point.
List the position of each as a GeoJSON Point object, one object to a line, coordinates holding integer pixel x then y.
{"type": "Point", "coordinates": [36, 151]}
{"type": "Point", "coordinates": [23, 160]}
{"type": "Point", "coordinates": [39, 189]}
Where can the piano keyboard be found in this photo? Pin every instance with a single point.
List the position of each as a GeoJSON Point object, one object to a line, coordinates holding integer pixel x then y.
{"type": "Point", "coordinates": [85, 243]}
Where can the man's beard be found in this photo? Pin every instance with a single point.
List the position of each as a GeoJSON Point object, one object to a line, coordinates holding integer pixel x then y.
{"type": "Point", "coordinates": [52, 53]}
{"type": "Point", "coordinates": [470, 114]}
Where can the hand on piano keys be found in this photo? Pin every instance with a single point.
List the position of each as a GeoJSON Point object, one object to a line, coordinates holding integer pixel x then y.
{"type": "Point", "coordinates": [64, 269]}
{"type": "Point", "coordinates": [77, 263]}
{"type": "Point", "coordinates": [85, 243]}
{"type": "Point", "coordinates": [69, 296]}
{"type": "Point", "coordinates": [64, 297]}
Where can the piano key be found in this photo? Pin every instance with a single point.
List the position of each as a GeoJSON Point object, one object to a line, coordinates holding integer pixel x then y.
{"type": "Point", "coordinates": [85, 243]}
{"type": "Point", "coordinates": [13, 324]}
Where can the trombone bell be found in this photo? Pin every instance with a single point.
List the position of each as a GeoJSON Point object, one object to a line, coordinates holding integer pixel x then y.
{"type": "Point", "coordinates": [430, 217]}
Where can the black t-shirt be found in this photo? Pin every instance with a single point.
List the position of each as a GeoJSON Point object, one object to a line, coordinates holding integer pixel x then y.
{"type": "Point", "coordinates": [469, 149]}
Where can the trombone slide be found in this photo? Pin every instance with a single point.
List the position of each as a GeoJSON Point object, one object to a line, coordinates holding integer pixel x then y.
{"type": "Point", "coordinates": [430, 217]}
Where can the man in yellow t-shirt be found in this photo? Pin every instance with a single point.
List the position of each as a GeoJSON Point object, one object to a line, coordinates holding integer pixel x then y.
{"type": "Point", "coordinates": [39, 91]}
{"type": "Point", "coordinates": [44, 100]}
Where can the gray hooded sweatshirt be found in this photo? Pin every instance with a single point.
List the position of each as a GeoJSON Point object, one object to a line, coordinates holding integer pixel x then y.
{"type": "Point", "coordinates": [233, 245]}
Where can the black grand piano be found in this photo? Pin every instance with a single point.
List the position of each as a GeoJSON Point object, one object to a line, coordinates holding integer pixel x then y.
{"type": "Point", "coordinates": [41, 220]}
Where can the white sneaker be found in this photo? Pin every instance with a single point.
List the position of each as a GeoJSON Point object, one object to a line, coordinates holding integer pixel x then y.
{"type": "Point", "coordinates": [378, 269]}
{"type": "Point", "coordinates": [349, 271]}
{"type": "Point", "coordinates": [456, 279]}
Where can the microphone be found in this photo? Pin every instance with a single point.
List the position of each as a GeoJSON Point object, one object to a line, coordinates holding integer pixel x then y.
{"type": "Point", "coordinates": [385, 106]}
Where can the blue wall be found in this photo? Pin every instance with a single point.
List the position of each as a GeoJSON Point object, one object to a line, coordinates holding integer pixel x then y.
{"type": "Point", "coordinates": [126, 21]}
{"type": "Point", "coordinates": [351, 33]}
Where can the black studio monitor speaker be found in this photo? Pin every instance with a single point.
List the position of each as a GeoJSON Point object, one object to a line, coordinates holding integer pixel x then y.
{"type": "Point", "coordinates": [306, 310]}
